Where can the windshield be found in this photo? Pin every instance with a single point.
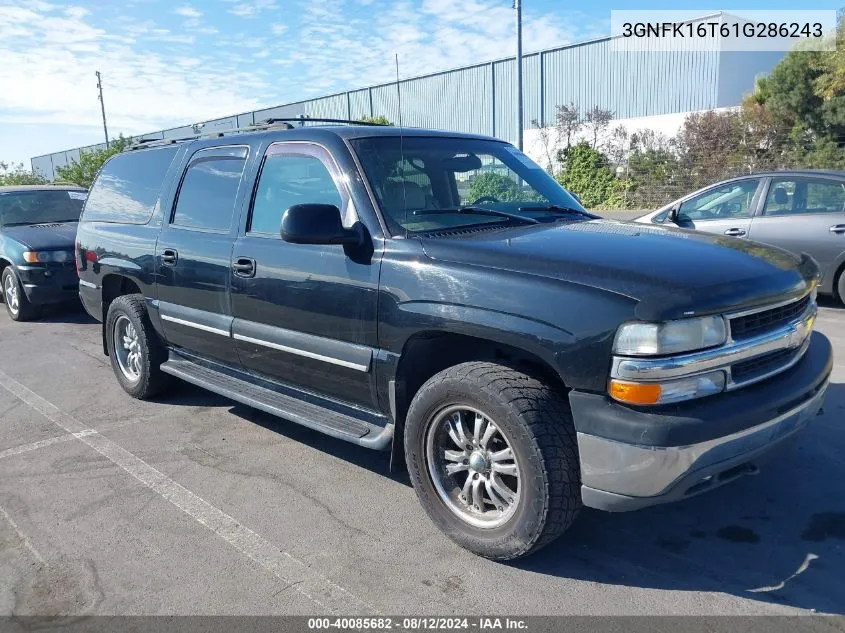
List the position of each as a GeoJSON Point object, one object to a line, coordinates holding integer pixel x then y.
{"type": "Point", "coordinates": [40, 207]}
{"type": "Point", "coordinates": [433, 183]}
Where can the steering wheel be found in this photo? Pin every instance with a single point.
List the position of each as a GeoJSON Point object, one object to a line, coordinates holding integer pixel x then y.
{"type": "Point", "coordinates": [485, 199]}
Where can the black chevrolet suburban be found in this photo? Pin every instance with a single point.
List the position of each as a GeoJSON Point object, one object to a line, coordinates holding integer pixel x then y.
{"type": "Point", "coordinates": [439, 296]}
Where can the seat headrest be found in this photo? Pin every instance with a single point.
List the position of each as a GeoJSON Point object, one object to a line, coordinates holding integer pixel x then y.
{"type": "Point", "coordinates": [401, 194]}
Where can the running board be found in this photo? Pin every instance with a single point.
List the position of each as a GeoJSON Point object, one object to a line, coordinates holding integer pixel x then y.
{"type": "Point", "coordinates": [334, 423]}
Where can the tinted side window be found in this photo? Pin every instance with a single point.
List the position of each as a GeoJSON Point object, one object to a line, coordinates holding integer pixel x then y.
{"type": "Point", "coordinates": [127, 189]}
{"type": "Point", "coordinates": [288, 179]}
{"type": "Point", "coordinates": [207, 195]}
{"type": "Point", "coordinates": [798, 196]}
{"type": "Point", "coordinates": [726, 202]}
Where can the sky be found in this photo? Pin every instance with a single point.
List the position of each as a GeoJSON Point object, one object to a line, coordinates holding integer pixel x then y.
{"type": "Point", "coordinates": [166, 63]}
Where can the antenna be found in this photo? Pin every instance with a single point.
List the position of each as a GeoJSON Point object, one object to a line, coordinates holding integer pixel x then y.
{"type": "Point", "coordinates": [401, 146]}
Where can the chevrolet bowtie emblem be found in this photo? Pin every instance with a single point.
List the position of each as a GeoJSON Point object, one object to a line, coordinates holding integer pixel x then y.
{"type": "Point", "coordinates": [799, 333]}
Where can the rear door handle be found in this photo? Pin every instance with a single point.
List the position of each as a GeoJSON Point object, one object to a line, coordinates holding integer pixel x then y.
{"type": "Point", "coordinates": [244, 267]}
{"type": "Point", "coordinates": [169, 257]}
{"type": "Point", "coordinates": [837, 228]}
{"type": "Point", "coordinates": [735, 232]}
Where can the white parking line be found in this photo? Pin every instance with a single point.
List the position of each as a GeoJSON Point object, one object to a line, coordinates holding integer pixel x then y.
{"type": "Point", "coordinates": [25, 448]}
{"type": "Point", "coordinates": [314, 586]}
{"type": "Point", "coordinates": [22, 536]}
{"type": "Point", "coordinates": [34, 446]}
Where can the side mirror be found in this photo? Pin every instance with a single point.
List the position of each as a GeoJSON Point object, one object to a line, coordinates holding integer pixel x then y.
{"type": "Point", "coordinates": [673, 213]}
{"type": "Point", "coordinates": [316, 224]}
{"type": "Point", "coordinates": [678, 218]}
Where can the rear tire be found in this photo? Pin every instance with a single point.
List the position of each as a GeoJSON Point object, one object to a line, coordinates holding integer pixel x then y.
{"type": "Point", "coordinates": [840, 287]}
{"type": "Point", "coordinates": [17, 305]}
{"type": "Point", "coordinates": [542, 470]}
{"type": "Point", "coordinates": [135, 350]}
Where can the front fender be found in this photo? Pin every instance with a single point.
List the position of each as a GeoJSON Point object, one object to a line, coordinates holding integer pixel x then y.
{"type": "Point", "coordinates": [569, 326]}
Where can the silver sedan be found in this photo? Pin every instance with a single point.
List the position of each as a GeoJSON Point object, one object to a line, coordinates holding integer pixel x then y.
{"type": "Point", "coordinates": [801, 211]}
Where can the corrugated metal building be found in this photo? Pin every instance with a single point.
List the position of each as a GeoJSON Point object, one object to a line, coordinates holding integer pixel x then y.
{"type": "Point", "coordinates": [481, 98]}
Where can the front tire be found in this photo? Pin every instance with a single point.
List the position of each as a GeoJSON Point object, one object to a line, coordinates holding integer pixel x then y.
{"type": "Point", "coordinates": [17, 305]}
{"type": "Point", "coordinates": [493, 458]}
{"type": "Point", "coordinates": [135, 350]}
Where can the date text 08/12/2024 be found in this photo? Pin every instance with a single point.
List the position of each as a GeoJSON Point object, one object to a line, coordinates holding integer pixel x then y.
{"type": "Point", "coordinates": [417, 623]}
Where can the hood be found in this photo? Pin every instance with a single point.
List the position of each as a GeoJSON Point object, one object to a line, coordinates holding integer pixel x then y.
{"type": "Point", "coordinates": [40, 237]}
{"type": "Point", "coordinates": [670, 272]}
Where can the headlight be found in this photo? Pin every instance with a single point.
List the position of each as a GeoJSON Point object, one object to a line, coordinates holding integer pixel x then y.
{"type": "Point", "coordinates": [40, 257]}
{"type": "Point", "coordinates": [669, 337]}
{"type": "Point", "coordinates": [677, 390]}
{"type": "Point", "coordinates": [61, 256]}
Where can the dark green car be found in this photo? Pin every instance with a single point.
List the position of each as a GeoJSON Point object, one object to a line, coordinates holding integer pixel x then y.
{"type": "Point", "coordinates": [37, 232]}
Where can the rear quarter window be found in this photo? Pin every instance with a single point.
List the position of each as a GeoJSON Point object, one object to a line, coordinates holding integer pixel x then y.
{"type": "Point", "coordinates": [128, 187]}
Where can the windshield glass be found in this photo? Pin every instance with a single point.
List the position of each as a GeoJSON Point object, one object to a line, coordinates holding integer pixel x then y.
{"type": "Point", "coordinates": [426, 183]}
{"type": "Point", "coordinates": [40, 207]}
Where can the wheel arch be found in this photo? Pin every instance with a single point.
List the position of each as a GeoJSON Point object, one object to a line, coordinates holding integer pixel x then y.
{"type": "Point", "coordinates": [428, 352]}
{"type": "Point", "coordinates": [114, 285]}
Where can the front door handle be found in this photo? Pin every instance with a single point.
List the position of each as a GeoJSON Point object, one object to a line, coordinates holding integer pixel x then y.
{"type": "Point", "coordinates": [735, 232]}
{"type": "Point", "coordinates": [169, 257]}
{"type": "Point", "coordinates": [244, 267]}
{"type": "Point", "coordinates": [837, 228]}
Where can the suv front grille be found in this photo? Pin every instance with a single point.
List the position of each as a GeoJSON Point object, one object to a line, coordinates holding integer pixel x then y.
{"type": "Point", "coordinates": [743, 327]}
{"type": "Point", "coordinates": [762, 365]}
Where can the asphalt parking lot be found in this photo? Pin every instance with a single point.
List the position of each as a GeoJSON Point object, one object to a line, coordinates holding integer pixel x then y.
{"type": "Point", "coordinates": [197, 505]}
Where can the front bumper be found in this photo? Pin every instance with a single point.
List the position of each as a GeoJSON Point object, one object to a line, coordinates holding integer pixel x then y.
{"type": "Point", "coordinates": [633, 458]}
{"type": "Point", "coordinates": [53, 284]}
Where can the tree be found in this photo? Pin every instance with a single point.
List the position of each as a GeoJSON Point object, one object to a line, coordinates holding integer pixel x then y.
{"type": "Point", "coordinates": [830, 84]}
{"type": "Point", "coordinates": [82, 173]}
{"type": "Point", "coordinates": [494, 185]}
{"type": "Point", "coordinates": [618, 145]}
{"type": "Point", "coordinates": [378, 119]}
{"type": "Point", "coordinates": [646, 139]}
{"type": "Point", "coordinates": [16, 174]}
{"type": "Point", "coordinates": [710, 147]}
{"type": "Point", "coordinates": [596, 120]}
{"type": "Point", "coordinates": [549, 139]}
{"type": "Point", "coordinates": [804, 94]}
{"type": "Point", "coordinates": [587, 173]}
{"type": "Point", "coordinates": [568, 118]}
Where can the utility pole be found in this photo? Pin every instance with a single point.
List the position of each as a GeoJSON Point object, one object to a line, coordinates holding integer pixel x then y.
{"type": "Point", "coordinates": [517, 4]}
{"type": "Point", "coordinates": [102, 107]}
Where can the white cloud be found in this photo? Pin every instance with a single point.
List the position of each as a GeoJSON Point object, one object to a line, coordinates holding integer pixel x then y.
{"type": "Point", "coordinates": [144, 89]}
{"type": "Point", "coordinates": [165, 35]}
{"type": "Point", "coordinates": [165, 71]}
{"type": "Point", "coordinates": [188, 12]}
{"type": "Point", "coordinates": [251, 8]}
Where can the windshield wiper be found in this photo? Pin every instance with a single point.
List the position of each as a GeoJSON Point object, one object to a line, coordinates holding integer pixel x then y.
{"type": "Point", "coordinates": [560, 211]}
{"type": "Point", "coordinates": [478, 211]}
{"type": "Point", "coordinates": [30, 223]}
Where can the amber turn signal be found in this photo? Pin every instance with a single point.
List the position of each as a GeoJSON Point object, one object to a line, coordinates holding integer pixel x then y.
{"type": "Point", "coordinates": [635, 392]}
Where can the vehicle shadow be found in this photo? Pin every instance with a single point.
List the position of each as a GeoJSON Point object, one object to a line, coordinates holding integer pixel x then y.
{"type": "Point", "coordinates": [375, 461]}
{"type": "Point", "coordinates": [829, 302]}
{"type": "Point", "coordinates": [188, 395]}
{"type": "Point", "coordinates": [70, 313]}
{"type": "Point", "coordinates": [776, 537]}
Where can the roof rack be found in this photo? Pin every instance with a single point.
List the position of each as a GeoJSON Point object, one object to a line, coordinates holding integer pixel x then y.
{"type": "Point", "coordinates": [266, 124]}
